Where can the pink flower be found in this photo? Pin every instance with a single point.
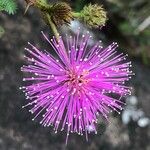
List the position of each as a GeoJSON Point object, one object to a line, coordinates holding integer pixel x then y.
{"type": "Point", "coordinates": [72, 89]}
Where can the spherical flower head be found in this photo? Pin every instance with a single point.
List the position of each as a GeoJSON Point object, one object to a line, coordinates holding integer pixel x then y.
{"type": "Point", "coordinates": [61, 13]}
{"type": "Point", "coordinates": [94, 15]}
{"type": "Point", "coordinates": [73, 88]}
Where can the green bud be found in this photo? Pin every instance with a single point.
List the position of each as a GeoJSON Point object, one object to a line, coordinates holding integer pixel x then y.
{"type": "Point", "coordinates": [93, 15]}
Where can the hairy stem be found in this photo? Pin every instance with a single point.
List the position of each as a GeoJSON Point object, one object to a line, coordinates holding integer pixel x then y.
{"type": "Point", "coordinates": [53, 27]}
{"type": "Point", "coordinates": [76, 14]}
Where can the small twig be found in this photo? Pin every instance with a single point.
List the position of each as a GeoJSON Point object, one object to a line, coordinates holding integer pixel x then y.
{"type": "Point", "coordinates": [145, 24]}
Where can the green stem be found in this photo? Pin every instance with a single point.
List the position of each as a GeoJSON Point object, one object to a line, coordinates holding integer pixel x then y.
{"type": "Point", "coordinates": [76, 14]}
{"type": "Point", "coordinates": [45, 9]}
{"type": "Point", "coordinates": [43, 6]}
{"type": "Point", "coordinates": [53, 27]}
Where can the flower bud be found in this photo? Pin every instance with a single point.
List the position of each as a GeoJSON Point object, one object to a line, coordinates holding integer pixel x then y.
{"type": "Point", "coordinates": [61, 13]}
{"type": "Point", "coordinates": [93, 15]}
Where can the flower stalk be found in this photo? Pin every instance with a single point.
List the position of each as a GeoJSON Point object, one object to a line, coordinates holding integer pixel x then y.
{"type": "Point", "coordinates": [54, 15]}
{"type": "Point", "coordinates": [53, 27]}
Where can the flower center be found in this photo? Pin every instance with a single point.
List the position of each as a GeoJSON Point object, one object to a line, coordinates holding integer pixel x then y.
{"type": "Point", "coordinates": [77, 80]}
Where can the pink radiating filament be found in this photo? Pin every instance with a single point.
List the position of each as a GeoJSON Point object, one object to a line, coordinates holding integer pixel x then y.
{"type": "Point", "coordinates": [72, 90]}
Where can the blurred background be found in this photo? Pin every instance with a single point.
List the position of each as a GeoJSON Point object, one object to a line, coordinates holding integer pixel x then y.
{"type": "Point", "coordinates": [128, 24]}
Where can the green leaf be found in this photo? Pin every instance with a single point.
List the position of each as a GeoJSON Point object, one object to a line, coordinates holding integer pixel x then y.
{"type": "Point", "coordinates": [9, 6]}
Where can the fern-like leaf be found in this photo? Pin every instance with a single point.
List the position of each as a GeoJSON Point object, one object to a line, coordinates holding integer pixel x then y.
{"type": "Point", "coordinates": [8, 5]}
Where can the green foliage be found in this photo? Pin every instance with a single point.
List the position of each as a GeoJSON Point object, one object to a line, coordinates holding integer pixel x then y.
{"type": "Point", "coordinates": [9, 6]}
{"type": "Point", "coordinates": [133, 24]}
